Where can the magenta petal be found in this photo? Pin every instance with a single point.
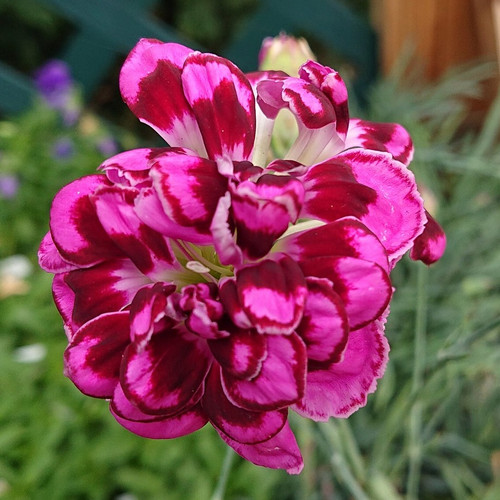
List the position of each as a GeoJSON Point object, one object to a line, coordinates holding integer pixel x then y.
{"type": "Point", "coordinates": [397, 216]}
{"type": "Point", "coordinates": [131, 168]}
{"type": "Point", "coordinates": [166, 428]}
{"type": "Point", "coordinates": [64, 299]}
{"type": "Point", "coordinates": [373, 187]}
{"type": "Point", "coordinates": [223, 102]}
{"type": "Point", "coordinates": [389, 137]}
{"type": "Point", "coordinates": [332, 192]}
{"type": "Point", "coordinates": [229, 252]}
{"type": "Point", "coordinates": [429, 247]}
{"type": "Point", "coordinates": [331, 83]}
{"type": "Point", "coordinates": [149, 209]}
{"type": "Point", "coordinates": [147, 249]}
{"type": "Point", "coordinates": [272, 294]}
{"type": "Point", "coordinates": [75, 228]}
{"type": "Point", "coordinates": [345, 237]}
{"type": "Point", "coordinates": [365, 288]}
{"type": "Point", "coordinates": [150, 83]}
{"type": "Point", "coordinates": [270, 94]}
{"type": "Point", "coordinates": [147, 309]}
{"type": "Point", "coordinates": [342, 388]}
{"type": "Point", "coordinates": [241, 354]}
{"type": "Point", "coordinates": [230, 300]}
{"type": "Point", "coordinates": [107, 287]}
{"type": "Point", "coordinates": [203, 309]}
{"type": "Point", "coordinates": [242, 425]}
{"type": "Point", "coordinates": [279, 452]}
{"type": "Point", "coordinates": [263, 210]}
{"type": "Point", "coordinates": [94, 355]}
{"type": "Point", "coordinates": [324, 327]}
{"type": "Point", "coordinates": [189, 189]}
{"type": "Point", "coordinates": [281, 380]}
{"type": "Point", "coordinates": [154, 427]}
{"type": "Point", "coordinates": [307, 103]}
{"type": "Point", "coordinates": [162, 377]}
{"type": "Point", "coordinates": [50, 259]}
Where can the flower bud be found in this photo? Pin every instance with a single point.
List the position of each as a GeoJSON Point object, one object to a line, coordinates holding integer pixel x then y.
{"type": "Point", "coordinates": [285, 53]}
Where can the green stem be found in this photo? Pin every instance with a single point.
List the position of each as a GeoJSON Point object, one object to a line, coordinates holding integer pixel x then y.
{"type": "Point", "coordinates": [415, 423]}
{"type": "Point", "coordinates": [220, 489]}
{"type": "Point", "coordinates": [337, 454]}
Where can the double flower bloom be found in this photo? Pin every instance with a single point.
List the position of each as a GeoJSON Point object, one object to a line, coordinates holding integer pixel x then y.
{"type": "Point", "coordinates": [209, 281]}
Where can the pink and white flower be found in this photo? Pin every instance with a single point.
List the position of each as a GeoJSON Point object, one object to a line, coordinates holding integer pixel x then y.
{"type": "Point", "coordinates": [208, 281]}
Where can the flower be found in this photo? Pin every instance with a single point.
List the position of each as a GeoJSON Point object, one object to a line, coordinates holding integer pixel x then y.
{"type": "Point", "coordinates": [107, 146]}
{"type": "Point", "coordinates": [54, 82]}
{"type": "Point", "coordinates": [285, 53]}
{"type": "Point", "coordinates": [208, 281]}
{"type": "Point", "coordinates": [9, 185]}
{"type": "Point", "coordinates": [63, 148]}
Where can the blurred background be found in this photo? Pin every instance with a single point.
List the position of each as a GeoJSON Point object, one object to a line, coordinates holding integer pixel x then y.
{"type": "Point", "coordinates": [431, 429]}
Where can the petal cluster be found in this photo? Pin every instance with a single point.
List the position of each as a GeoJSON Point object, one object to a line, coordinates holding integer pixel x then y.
{"type": "Point", "coordinates": [209, 281]}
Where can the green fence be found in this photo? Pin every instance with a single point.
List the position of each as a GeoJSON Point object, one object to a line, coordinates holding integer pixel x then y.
{"type": "Point", "coordinates": [108, 29]}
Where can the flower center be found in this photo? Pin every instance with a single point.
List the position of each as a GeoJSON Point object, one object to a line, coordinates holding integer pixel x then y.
{"type": "Point", "coordinates": [201, 260]}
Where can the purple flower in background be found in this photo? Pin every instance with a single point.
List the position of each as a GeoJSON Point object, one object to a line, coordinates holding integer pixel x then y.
{"type": "Point", "coordinates": [9, 184]}
{"type": "Point", "coordinates": [63, 148]}
{"type": "Point", "coordinates": [54, 82]}
{"type": "Point", "coordinates": [107, 146]}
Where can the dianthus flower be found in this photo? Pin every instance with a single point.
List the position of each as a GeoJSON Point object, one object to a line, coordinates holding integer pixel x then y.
{"type": "Point", "coordinates": [207, 281]}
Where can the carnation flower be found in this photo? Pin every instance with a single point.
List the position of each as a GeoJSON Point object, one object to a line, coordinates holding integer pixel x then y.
{"type": "Point", "coordinates": [209, 281]}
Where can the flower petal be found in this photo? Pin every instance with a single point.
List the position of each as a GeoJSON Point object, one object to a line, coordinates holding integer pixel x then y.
{"type": "Point", "coordinates": [64, 299]}
{"type": "Point", "coordinates": [147, 309]}
{"type": "Point", "coordinates": [131, 168]}
{"type": "Point", "coordinates": [384, 196]}
{"type": "Point", "coordinates": [344, 237]}
{"type": "Point", "coordinates": [430, 245]}
{"type": "Point", "coordinates": [189, 189]}
{"type": "Point", "coordinates": [324, 327]}
{"type": "Point", "coordinates": [223, 102]}
{"type": "Point", "coordinates": [364, 287]}
{"type": "Point", "coordinates": [242, 425]}
{"type": "Point", "coordinates": [107, 287]}
{"type": "Point", "coordinates": [49, 258]}
{"type": "Point", "coordinates": [272, 294]}
{"type": "Point", "coordinates": [76, 230]}
{"type": "Point", "coordinates": [263, 210]}
{"type": "Point", "coordinates": [149, 209]}
{"type": "Point", "coordinates": [92, 359]}
{"type": "Point", "coordinates": [150, 84]}
{"type": "Point", "coordinates": [162, 377]}
{"type": "Point", "coordinates": [147, 249]}
{"type": "Point", "coordinates": [310, 106]}
{"type": "Point", "coordinates": [241, 354]}
{"type": "Point", "coordinates": [229, 298]}
{"type": "Point", "coordinates": [332, 192]}
{"type": "Point", "coordinates": [281, 380]}
{"type": "Point", "coordinates": [389, 137]}
{"type": "Point", "coordinates": [202, 309]}
{"type": "Point", "coordinates": [342, 388]}
{"type": "Point", "coordinates": [154, 427]}
{"type": "Point", "coordinates": [279, 452]}
{"type": "Point", "coordinates": [222, 229]}
{"type": "Point", "coordinates": [330, 82]}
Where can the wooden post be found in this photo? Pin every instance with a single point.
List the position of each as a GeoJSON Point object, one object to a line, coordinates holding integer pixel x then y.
{"type": "Point", "coordinates": [441, 34]}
